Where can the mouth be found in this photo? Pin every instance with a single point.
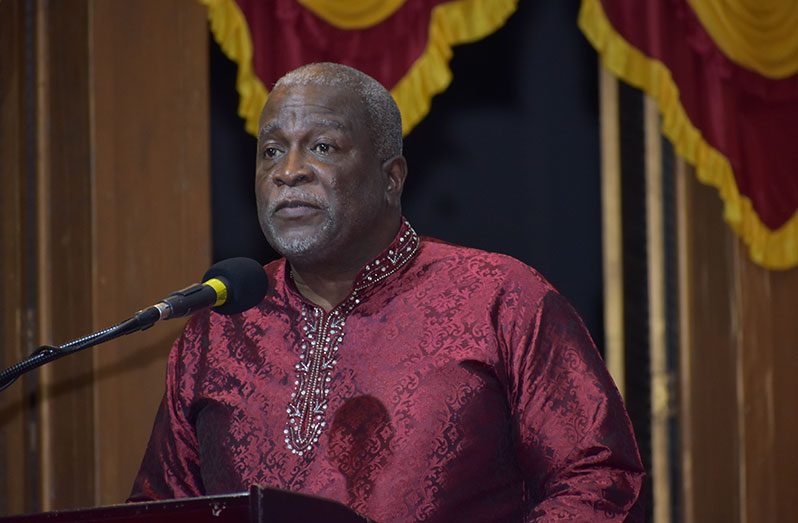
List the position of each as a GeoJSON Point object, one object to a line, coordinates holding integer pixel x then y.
{"type": "Point", "coordinates": [295, 209]}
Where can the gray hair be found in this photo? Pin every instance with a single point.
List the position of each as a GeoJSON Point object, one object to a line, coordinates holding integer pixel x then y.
{"type": "Point", "coordinates": [384, 120]}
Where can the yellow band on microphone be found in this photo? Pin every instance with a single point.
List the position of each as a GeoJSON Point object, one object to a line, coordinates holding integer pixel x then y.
{"type": "Point", "coordinates": [220, 288]}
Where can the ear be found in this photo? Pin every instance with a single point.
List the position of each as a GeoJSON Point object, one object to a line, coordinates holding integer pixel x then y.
{"type": "Point", "coordinates": [395, 171]}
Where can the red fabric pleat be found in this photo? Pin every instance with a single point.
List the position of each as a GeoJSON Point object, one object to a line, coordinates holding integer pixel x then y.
{"type": "Point", "coordinates": [286, 35]}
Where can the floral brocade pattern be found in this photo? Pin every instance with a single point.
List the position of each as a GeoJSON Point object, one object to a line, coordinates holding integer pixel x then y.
{"type": "Point", "coordinates": [457, 386]}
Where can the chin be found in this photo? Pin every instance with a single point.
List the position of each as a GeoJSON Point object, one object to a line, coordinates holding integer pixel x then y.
{"type": "Point", "coordinates": [300, 247]}
{"type": "Point", "coordinates": [292, 244]}
{"type": "Point", "coordinates": [306, 243]}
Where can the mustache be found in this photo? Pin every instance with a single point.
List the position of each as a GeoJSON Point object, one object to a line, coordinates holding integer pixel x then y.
{"type": "Point", "coordinates": [295, 199]}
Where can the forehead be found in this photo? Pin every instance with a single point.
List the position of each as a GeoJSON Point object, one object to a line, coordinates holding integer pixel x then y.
{"type": "Point", "coordinates": [312, 105]}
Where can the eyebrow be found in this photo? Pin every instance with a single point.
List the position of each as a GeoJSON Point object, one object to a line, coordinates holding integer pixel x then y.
{"type": "Point", "coordinates": [273, 126]}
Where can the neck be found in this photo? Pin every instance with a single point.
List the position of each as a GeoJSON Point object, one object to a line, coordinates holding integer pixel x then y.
{"type": "Point", "coordinates": [329, 282]}
{"type": "Point", "coordinates": [326, 291]}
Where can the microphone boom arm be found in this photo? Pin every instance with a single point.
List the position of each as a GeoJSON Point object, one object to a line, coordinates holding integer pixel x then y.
{"type": "Point", "coordinates": [230, 286]}
{"type": "Point", "coordinates": [46, 353]}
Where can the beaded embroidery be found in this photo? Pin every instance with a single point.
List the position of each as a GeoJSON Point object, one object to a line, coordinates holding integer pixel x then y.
{"type": "Point", "coordinates": [322, 337]}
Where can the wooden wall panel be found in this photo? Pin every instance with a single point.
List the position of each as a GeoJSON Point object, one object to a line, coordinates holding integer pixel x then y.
{"type": "Point", "coordinates": [738, 383]}
{"type": "Point", "coordinates": [767, 388]}
{"type": "Point", "coordinates": [709, 358]}
{"type": "Point", "coordinates": [13, 443]}
{"type": "Point", "coordinates": [105, 209]}
{"type": "Point", "coordinates": [152, 206]}
{"type": "Point", "coordinates": [67, 425]}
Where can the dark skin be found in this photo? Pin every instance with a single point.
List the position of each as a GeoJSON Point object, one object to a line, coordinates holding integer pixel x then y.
{"type": "Point", "coordinates": [325, 200]}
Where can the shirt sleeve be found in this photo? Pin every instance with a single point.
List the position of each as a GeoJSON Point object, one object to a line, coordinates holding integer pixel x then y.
{"type": "Point", "coordinates": [576, 445]}
{"type": "Point", "coordinates": [171, 464]}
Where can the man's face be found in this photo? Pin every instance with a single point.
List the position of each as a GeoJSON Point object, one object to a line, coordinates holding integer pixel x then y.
{"type": "Point", "coordinates": [319, 184]}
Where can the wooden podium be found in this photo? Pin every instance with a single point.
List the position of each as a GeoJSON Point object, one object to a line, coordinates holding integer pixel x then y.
{"type": "Point", "coordinates": [256, 506]}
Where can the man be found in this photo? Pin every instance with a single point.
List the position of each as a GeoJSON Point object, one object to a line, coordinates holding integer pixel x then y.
{"type": "Point", "coordinates": [408, 378]}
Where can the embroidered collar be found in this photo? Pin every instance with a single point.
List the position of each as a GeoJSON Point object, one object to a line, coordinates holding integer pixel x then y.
{"type": "Point", "coordinates": [321, 338]}
{"type": "Point", "coordinates": [401, 250]}
{"type": "Point", "coordinates": [404, 246]}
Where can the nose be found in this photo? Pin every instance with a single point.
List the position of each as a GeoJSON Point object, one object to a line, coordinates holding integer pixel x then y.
{"type": "Point", "coordinates": [293, 170]}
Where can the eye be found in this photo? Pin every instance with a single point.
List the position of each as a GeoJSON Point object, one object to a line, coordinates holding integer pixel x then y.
{"type": "Point", "coordinates": [269, 152]}
{"type": "Point", "coordinates": [322, 148]}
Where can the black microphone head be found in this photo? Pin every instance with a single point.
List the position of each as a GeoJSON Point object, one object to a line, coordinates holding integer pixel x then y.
{"type": "Point", "coordinates": [245, 280]}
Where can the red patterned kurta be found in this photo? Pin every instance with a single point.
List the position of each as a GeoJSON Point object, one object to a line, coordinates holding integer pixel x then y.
{"type": "Point", "coordinates": [452, 385]}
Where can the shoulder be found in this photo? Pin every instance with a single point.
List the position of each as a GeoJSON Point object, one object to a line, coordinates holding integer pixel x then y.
{"type": "Point", "coordinates": [275, 270]}
{"type": "Point", "coordinates": [500, 271]}
{"type": "Point", "coordinates": [277, 274]}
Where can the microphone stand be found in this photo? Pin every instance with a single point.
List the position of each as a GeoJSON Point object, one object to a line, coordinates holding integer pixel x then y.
{"type": "Point", "coordinates": [47, 353]}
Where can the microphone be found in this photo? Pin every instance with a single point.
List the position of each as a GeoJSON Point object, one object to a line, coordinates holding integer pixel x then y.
{"type": "Point", "coordinates": [229, 286]}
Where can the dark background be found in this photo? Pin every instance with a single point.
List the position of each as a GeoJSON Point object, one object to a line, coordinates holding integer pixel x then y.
{"type": "Point", "coordinates": [507, 159]}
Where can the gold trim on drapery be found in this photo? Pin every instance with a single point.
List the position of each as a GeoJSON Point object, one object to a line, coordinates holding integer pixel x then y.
{"type": "Point", "coordinates": [231, 32]}
{"type": "Point", "coordinates": [761, 35]}
{"type": "Point", "coordinates": [451, 23]}
{"type": "Point", "coordinates": [357, 14]}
